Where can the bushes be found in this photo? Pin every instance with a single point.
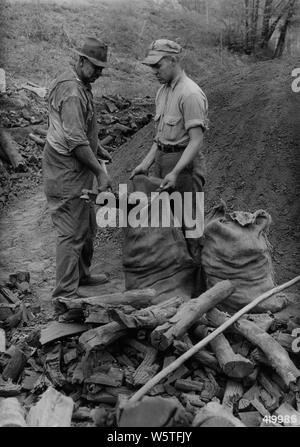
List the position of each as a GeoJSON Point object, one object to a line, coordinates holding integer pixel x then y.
{"type": "Point", "coordinates": [44, 33]}
{"type": "Point", "coordinates": [54, 34]}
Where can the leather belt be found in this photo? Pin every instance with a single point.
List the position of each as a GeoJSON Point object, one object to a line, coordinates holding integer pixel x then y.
{"type": "Point", "coordinates": [170, 148]}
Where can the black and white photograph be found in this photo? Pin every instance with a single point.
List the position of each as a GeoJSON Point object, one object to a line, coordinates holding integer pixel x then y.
{"type": "Point", "coordinates": [149, 217]}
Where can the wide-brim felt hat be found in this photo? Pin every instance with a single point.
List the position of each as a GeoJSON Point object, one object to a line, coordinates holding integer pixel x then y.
{"type": "Point", "coordinates": [95, 51]}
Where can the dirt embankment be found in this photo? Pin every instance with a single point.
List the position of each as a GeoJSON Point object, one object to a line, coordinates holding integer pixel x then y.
{"type": "Point", "coordinates": [252, 152]}
{"type": "Point", "coordinates": [252, 156]}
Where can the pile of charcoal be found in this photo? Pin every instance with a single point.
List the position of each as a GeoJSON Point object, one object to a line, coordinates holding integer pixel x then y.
{"type": "Point", "coordinates": [103, 350]}
{"type": "Point", "coordinates": [23, 114]}
{"type": "Point", "coordinates": [120, 118]}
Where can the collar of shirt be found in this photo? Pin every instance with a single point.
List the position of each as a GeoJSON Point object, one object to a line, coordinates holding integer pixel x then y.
{"type": "Point", "coordinates": [177, 79]}
{"type": "Point", "coordinates": [86, 86]}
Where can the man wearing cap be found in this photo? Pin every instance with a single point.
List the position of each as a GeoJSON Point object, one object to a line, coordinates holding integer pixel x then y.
{"type": "Point", "coordinates": [70, 165]}
{"type": "Point", "coordinates": [181, 120]}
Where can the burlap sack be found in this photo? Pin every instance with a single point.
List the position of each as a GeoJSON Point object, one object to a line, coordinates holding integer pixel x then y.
{"type": "Point", "coordinates": [236, 247]}
{"type": "Point", "coordinates": [156, 257]}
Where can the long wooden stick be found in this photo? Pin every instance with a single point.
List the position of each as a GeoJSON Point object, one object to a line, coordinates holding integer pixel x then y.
{"type": "Point", "coordinates": [180, 360]}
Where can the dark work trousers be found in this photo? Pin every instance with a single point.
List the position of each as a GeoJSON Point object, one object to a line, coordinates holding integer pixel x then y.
{"type": "Point", "coordinates": [73, 218]}
{"type": "Point", "coordinates": [190, 179]}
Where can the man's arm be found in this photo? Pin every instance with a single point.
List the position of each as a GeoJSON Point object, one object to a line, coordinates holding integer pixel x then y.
{"type": "Point", "coordinates": [194, 111]}
{"type": "Point", "coordinates": [192, 149]}
{"type": "Point", "coordinates": [72, 115]}
{"type": "Point", "coordinates": [103, 153]}
{"type": "Point", "coordinates": [86, 156]}
{"type": "Point", "coordinates": [145, 165]}
{"type": "Point", "coordinates": [147, 162]}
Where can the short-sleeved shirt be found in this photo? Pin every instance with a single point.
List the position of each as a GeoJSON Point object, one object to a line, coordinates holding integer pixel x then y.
{"type": "Point", "coordinates": [180, 106]}
{"type": "Point", "coordinates": [72, 120]}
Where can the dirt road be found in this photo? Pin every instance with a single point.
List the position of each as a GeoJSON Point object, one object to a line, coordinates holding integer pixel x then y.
{"type": "Point", "coordinates": [27, 242]}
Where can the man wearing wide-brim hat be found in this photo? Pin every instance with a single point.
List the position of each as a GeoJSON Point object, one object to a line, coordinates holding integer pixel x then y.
{"type": "Point", "coordinates": [70, 165]}
{"type": "Point", "coordinates": [181, 120]}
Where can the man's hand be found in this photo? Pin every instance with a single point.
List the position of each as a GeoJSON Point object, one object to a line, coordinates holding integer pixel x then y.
{"type": "Point", "coordinates": [103, 153]}
{"type": "Point", "coordinates": [169, 182]}
{"type": "Point", "coordinates": [104, 182]}
{"type": "Point", "coordinates": [140, 169]}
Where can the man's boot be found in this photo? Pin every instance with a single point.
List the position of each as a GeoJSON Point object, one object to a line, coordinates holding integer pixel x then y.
{"type": "Point", "coordinates": [93, 280]}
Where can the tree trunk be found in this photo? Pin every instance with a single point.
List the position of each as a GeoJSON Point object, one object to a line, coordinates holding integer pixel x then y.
{"type": "Point", "coordinates": [207, 11]}
{"type": "Point", "coordinates": [103, 335]}
{"type": "Point", "coordinates": [150, 317]}
{"type": "Point", "coordinates": [275, 353]}
{"type": "Point", "coordinates": [266, 20]}
{"type": "Point", "coordinates": [102, 314]}
{"type": "Point", "coordinates": [284, 28]}
{"type": "Point", "coordinates": [188, 313]}
{"type": "Point", "coordinates": [136, 298]}
{"type": "Point", "coordinates": [254, 21]}
{"type": "Point", "coordinates": [286, 340]}
{"type": "Point", "coordinates": [233, 365]}
{"type": "Point", "coordinates": [247, 33]}
{"type": "Point", "coordinates": [273, 27]}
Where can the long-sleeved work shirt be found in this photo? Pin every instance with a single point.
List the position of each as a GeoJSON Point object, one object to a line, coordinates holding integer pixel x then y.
{"type": "Point", "coordinates": [72, 120]}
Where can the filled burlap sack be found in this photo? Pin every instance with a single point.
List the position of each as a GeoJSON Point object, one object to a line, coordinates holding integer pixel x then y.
{"type": "Point", "coordinates": [236, 247]}
{"type": "Point", "coordinates": [156, 257]}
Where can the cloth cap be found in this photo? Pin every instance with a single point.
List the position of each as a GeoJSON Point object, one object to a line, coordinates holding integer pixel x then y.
{"type": "Point", "coordinates": [95, 51]}
{"type": "Point", "coordinates": [160, 48]}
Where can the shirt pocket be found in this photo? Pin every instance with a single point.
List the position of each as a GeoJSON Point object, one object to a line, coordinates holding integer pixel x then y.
{"type": "Point", "coordinates": [173, 127]}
